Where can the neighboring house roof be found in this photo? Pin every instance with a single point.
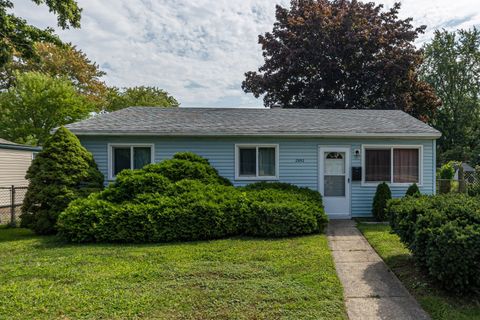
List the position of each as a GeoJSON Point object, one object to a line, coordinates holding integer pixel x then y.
{"type": "Point", "coordinates": [3, 141]}
{"type": "Point", "coordinates": [254, 122]}
{"type": "Point", "coordinates": [467, 167]}
{"type": "Point", "coordinates": [5, 144]}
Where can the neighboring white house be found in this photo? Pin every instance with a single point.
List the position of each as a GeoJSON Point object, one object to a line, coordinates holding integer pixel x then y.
{"type": "Point", "coordinates": [15, 159]}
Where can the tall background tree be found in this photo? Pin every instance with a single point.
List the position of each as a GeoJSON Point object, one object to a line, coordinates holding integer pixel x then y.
{"type": "Point", "coordinates": [18, 37]}
{"type": "Point", "coordinates": [452, 67]}
{"type": "Point", "coordinates": [61, 61]}
{"type": "Point", "coordinates": [341, 54]}
{"type": "Point", "coordinates": [36, 104]}
{"type": "Point", "coordinates": [45, 83]}
{"type": "Point", "coordinates": [139, 96]}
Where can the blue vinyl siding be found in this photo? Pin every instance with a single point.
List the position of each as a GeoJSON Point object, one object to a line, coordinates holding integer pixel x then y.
{"type": "Point", "coordinates": [221, 154]}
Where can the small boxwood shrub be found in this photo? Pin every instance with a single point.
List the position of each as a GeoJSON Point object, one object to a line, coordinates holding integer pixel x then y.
{"type": "Point", "coordinates": [156, 204]}
{"type": "Point", "coordinates": [443, 233]}
{"type": "Point", "coordinates": [413, 191]}
{"type": "Point", "coordinates": [382, 195]}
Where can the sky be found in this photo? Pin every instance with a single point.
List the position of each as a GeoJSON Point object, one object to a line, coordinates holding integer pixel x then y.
{"type": "Point", "coordinates": [199, 50]}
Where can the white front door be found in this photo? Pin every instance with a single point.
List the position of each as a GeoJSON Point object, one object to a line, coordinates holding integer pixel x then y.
{"type": "Point", "coordinates": [334, 180]}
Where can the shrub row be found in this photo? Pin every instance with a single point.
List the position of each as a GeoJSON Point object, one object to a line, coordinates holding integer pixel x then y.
{"type": "Point", "coordinates": [443, 233]}
{"type": "Point", "coordinates": [157, 204]}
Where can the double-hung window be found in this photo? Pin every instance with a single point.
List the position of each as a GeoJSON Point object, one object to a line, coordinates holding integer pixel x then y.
{"type": "Point", "coordinates": [256, 162]}
{"type": "Point", "coordinates": [124, 156]}
{"type": "Point", "coordinates": [392, 164]}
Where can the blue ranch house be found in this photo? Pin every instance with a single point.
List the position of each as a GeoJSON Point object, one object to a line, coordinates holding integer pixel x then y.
{"type": "Point", "coordinates": [344, 154]}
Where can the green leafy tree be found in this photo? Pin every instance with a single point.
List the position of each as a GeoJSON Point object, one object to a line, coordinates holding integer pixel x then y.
{"type": "Point", "coordinates": [61, 172]}
{"type": "Point", "coordinates": [452, 67]}
{"type": "Point", "coordinates": [61, 61]}
{"type": "Point", "coordinates": [445, 176]}
{"type": "Point", "coordinates": [139, 96]}
{"type": "Point", "coordinates": [341, 54]}
{"type": "Point", "coordinates": [18, 37]}
{"type": "Point", "coordinates": [37, 104]}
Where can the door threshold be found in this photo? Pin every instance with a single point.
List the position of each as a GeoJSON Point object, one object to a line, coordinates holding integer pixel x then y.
{"type": "Point", "coordinates": [339, 216]}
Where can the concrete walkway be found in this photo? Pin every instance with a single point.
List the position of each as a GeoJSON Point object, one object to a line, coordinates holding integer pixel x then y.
{"type": "Point", "coordinates": [371, 290]}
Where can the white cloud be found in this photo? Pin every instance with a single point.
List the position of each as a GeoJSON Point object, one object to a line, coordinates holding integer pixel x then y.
{"type": "Point", "coordinates": [199, 50]}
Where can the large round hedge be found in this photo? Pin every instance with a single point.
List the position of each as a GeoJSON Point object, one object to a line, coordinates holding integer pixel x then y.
{"type": "Point", "coordinates": [158, 204]}
{"type": "Point", "coordinates": [443, 233]}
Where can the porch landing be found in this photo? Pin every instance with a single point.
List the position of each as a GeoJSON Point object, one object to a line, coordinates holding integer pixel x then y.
{"type": "Point", "coordinates": [371, 290]}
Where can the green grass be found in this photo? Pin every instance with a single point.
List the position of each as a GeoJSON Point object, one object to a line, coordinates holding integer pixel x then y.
{"type": "Point", "coordinates": [239, 278]}
{"type": "Point", "coordinates": [435, 301]}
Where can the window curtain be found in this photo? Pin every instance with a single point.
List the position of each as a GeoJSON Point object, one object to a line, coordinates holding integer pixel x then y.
{"type": "Point", "coordinates": [121, 159]}
{"type": "Point", "coordinates": [405, 165]}
{"type": "Point", "coordinates": [141, 157]}
{"type": "Point", "coordinates": [266, 162]}
{"type": "Point", "coordinates": [247, 162]}
{"type": "Point", "coordinates": [377, 165]}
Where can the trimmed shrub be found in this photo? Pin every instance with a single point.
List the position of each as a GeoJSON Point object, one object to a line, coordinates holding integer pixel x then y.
{"type": "Point", "coordinates": [382, 195]}
{"type": "Point", "coordinates": [147, 206]}
{"type": "Point", "coordinates": [190, 156]}
{"type": "Point", "coordinates": [473, 189]}
{"type": "Point", "coordinates": [63, 171]}
{"type": "Point", "coordinates": [413, 191]}
{"type": "Point", "coordinates": [304, 193]}
{"type": "Point", "coordinates": [443, 233]}
{"type": "Point", "coordinates": [203, 212]}
{"type": "Point", "coordinates": [179, 169]}
{"type": "Point", "coordinates": [81, 221]}
{"type": "Point", "coordinates": [130, 183]}
{"type": "Point", "coordinates": [277, 213]}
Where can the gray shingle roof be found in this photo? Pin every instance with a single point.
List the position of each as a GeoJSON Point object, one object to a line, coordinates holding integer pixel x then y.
{"type": "Point", "coordinates": [237, 121]}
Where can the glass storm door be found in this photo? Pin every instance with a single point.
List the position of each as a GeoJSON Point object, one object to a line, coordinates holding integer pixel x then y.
{"type": "Point", "coordinates": [335, 181]}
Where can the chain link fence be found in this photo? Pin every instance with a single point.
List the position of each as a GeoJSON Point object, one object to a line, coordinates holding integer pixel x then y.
{"type": "Point", "coordinates": [467, 182]}
{"type": "Point", "coordinates": [11, 200]}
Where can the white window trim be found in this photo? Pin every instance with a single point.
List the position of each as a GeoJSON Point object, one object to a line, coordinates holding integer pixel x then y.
{"type": "Point", "coordinates": [391, 147]}
{"type": "Point", "coordinates": [256, 146]}
{"type": "Point", "coordinates": [110, 147]}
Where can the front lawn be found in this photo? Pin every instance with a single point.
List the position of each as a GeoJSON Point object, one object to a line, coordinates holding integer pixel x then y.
{"type": "Point", "coordinates": [239, 278]}
{"type": "Point", "coordinates": [434, 300]}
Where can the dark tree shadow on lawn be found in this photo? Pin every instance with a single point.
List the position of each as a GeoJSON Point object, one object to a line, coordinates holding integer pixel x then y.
{"type": "Point", "coordinates": [10, 234]}
{"type": "Point", "coordinates": [46, 242]}
{"type": "Point", "coordinates": [421, 284]}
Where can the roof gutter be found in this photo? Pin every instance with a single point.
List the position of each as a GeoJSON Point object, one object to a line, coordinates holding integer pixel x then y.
{"type": "Point", "coordinates": [295, 135]}
{"type": "Point", "coordinates": [19, 147]}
